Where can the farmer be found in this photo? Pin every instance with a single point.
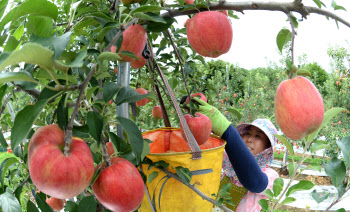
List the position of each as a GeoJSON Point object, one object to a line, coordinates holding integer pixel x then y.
{"type": "Point", "coordinates": [248, 154]}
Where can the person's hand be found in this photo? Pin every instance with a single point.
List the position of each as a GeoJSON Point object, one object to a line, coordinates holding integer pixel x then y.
{"type": "Point", "coordinates": [218, 120]}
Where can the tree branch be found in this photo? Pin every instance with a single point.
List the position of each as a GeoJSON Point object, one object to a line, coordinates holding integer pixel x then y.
{"type": "Point", "coordinates": [180, 61]}
{"type": "Point", "coordinates": [293, 37]}
{"type": "Point", "coordinates": [285, 7]}
{"type": "Point", "coordinates": [195, 189]}
{"type": "Point", "coordinates": [5, 102]}
{"type": "Point", "coordinates": [68, 131]}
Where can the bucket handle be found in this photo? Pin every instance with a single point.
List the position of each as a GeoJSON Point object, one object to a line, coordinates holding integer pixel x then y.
{"type": "Point", "coordinates": [195, 149]}
{"type": "Point", "coordinates": [196, 172]}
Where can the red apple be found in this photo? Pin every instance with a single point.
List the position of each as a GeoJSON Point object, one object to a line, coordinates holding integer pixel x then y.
{"type": "Point", "coordinates": [116, 70]}
{"type": "Point", "coordinates": [110, 149]}
{"type": "Point", "coordinates": [134, 40]}
{"type": "Point", "coordinates": [119, 187]}
{"type": "Point", "coordinates": [210, 33]}
{"type": "Point", "coordinates": [234, 95]}
{"type": "Point", "coordinates": [9, 150]}
{"type": "Point", "coordinates": [55, 204]}
{"type": "Point", "coordinates": [189, 2]}
{"type": "Point", "coordinates": [113, 49]}
{"type": "Point", "coordinates": [138, 63]}
{"type": "Point", "coordinates": [157, 112]}
{"type": "Point", "coordinates": [198, 95]}
{"type": "Point", "coordinates": [299, 107]}
{"type": "Point", "coordinates": [144, 101]}
{"type": "Point", "coordinates": [53, 172]}
{"type": "Point", "coordinates": [200, 127]}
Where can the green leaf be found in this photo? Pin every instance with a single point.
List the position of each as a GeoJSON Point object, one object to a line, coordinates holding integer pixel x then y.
{"type": "Point", "coordinates": [30, 7]}
{"type": "Point", "coordinates": [109, 90]}
{"type": "Point", "coordinates": [277, 186]}
{"type": "Point", "coordinates": [3, 5]}
{"type": "Point", "coordinates": [19, 32]}
{"type": "Point", "coordinates": [47, 93]}
{"type": "Point", "coordinates": [318, 146]}
{"type": "Point", "coordinates": [304, 72]}
{"type": "Point", "coordinates": [5, 165]}
{"type": "Point", "coordinates": [145, 150]}
{"type": "Point", "coordinates": [39, 25]}
{"type": "Point", "coordinates": [184, 174]}
{"type": "Point", "coordinates": [128, 54]}
{"type": "Point", "coordinates": [40, 200]}
{"type": "Point", "coordinates": [3, 91]}
{"type": "Point", "coordinates": [150, 8]}
{"type": "Point", "coordinates": [11, 44]}
{"type": "Point", "coordinates": [344, 145]}
{"type": "Point", "coordinates": [236, 112]}
{"type": "Point", "coordinates": [337, 7]}
{"type": "Point", "coordinates": [95, 122]}
{"type": "Point", "coordinates": [264, 204]}
{"type": "Point", "coordinates": [220, 201]}
{"type": "Point", "coordinates": [8, 202]}
{"type": "Point", "coordinates": [121, 146]}
{"type": "Point", "coordinates": [31, 207]}
{"type": "Point", "coordinates": [15, 76]}
{"type": "Point", "coordinates": [288, 200]}
{"type": "Point", "coordinates": [269, 194]}
{"type": "Point", "coordinates": [32, 53]}
{"type": "Point", "coordinates": [341, 210]}
{"type": "Point", "coordinates": [62, 113]}
{"type": "Point", "coordinates": [286, 143]}
{"type": "Point", "coordinates": [283, 37]}
{"type": "Point", "coordinates": [291, 168]}
{"type": "Point", "coordinates": [110, 56]}
{"type": "Point", "coordinates": [24, 122]}
{"type": "Point", "coordinates": [71, 207]}
{"type": "Point", "coordinates": [319, 3]}
{"type": "Point", "coordinates": [302, 185]}
{"type": "Point", "coordinates": [3, 142]}
{"type": "Point", "coordinates": [57, 43]}
{"type": "Point", "coordinates": [314, 166]}
{"type": "Point", "coordinates": [88, 204]}
{"type": "Point", "coordinates": [319, 196]}
{"type": "Point", "coordinates": [335, 168]}
{"type": "Point", "coordinates": [327, 117]}
{"type": "Point", "coordinates": [150, 17]}
{"type": "Point", "coordinates": [152, 176]}
{"type": "Point", "coordinates": [128, 95]}
{"type": "Point", "coordinates": [43, 74]}
{"type": "Point", "coordinates": [160, 27]}
{"type": "Point", "coordinates": [134, 136]}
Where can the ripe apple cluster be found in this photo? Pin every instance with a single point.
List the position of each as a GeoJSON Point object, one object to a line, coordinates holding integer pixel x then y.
{"type": "Point", "coordinates": [119, 187]}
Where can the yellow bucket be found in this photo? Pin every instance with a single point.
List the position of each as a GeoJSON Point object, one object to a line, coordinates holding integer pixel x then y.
{"type": "Point", "coordinates": [169, 195]}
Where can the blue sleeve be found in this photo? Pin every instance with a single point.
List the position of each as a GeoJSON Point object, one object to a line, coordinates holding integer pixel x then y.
{"type": "Point", "coordinates": [243, 162]}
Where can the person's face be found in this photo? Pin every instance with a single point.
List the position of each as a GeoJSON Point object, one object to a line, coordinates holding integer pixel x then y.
{"type": "Point", "coordinates": [255, 139]}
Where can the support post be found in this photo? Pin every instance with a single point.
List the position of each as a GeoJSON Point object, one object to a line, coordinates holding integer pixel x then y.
{"type": "Point", "coordinates": [123, 78]}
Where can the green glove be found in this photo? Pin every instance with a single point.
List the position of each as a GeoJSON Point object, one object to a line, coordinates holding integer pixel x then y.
{"type": "Point", "coordinates": [218, 120]}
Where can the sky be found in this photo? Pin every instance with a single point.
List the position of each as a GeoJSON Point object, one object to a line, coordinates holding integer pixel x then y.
{"type": "Point", "coordinates": [254, 36]}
